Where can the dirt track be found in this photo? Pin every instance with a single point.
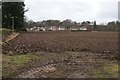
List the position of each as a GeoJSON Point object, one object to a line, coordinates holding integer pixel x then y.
{"type": "Point", "coordinates": [70, 65]}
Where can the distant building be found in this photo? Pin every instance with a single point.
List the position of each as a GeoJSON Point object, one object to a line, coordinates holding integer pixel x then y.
{"type": "Point", "coordinates": [41, 28]}
{"type": "Point", "coordinates": [53, 28]}
{"type": "Point", "coordinates": [83, 29]}
{"type": "Point", "coordinates": [61, 28]}
{"type": "Point", "coordinates": [56, 28]}
{"type": "Point", "coordinates": [75, 28]}
{"type": "Point", "coordinates": [87, 28]}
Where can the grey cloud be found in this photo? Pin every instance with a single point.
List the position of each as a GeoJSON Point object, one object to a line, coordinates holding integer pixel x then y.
{"type": "Point", "coordinates": [109, 11]}
{"type": "Point", "coordinates": [77, 10]}
{"type": "Point", "coordinates": [58, 10]}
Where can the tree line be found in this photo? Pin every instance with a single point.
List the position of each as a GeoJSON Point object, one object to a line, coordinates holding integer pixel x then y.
{"type": "Point", "coordinates": [110, 26]}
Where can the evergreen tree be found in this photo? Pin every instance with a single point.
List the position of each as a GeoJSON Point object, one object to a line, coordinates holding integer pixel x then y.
{"type": "Point", "coordinates": [94, 25]}
{"type": "Point", "coordinates": [13, 14]}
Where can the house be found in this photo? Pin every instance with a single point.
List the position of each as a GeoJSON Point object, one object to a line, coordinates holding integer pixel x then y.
{"type": "Point", "coordinates": [52, 28]}
{"type": "Point", "coordinates": [83, 28]}
{"type": "Point", "coordinates": [42, 28]}
{"type": "Point", "coordinates": [61, 28]}
{"type": "Point", "coordinates": [35, 28]}
{"type": "Point", "coordinates": [86, 28]}
{"type": "Point", "coordinates": [32, 29]}
{"type": "Point", "coordinates": [75, 28]}
{"type": "Point", "coordinates": [56, 28]}
{"type": "Point", "coordinates": [48, 28]}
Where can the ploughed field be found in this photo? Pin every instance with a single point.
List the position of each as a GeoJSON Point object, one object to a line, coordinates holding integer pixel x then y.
{"type": "Point", "coordinates": [103, 42]}
{"type": "Point", "coordinates": [65, 54]}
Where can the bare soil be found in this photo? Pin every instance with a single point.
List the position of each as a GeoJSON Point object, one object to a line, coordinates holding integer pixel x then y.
{"type": "Point", "coordinates": [104, 42]}
{"type": "Point", "coordinates": [70, 65]}
{"type": "Point", "coordinates": [67, 54]}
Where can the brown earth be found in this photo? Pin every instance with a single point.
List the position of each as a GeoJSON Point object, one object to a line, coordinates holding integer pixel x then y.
{"type": "Point", "coordinates": [67, 54]}
{"type": "Point", "coordinates": [105, 42]}
{"type": "Point", "coordinates": [70, 65]}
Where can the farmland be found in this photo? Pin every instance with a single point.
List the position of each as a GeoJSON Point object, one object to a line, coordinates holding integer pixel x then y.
{"type": "Point", "coordinates": [106, 42]}
{"type": "Point", "coordinates": [70, 53]}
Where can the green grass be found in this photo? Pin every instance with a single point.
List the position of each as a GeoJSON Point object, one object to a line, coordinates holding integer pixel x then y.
{"type": "Point", "coordinates": [112, 69]}
{"type": "Point", "coordinates": [98, 74]}
{"type": "Point", "coordinates": [13, 63]}
{"type": "Point", "coordinates": [20, 60]}
{"type": "Point", "coordinates": [108, 71]}
{"type": "Point", "coordinates": [4, 31]}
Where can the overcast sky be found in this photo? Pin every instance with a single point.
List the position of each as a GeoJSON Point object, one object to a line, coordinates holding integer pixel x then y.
{"type": "Point", "coordinates": [77, 10]}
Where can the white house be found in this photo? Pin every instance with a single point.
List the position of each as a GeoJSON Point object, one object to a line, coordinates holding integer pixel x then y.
{"type": "Point", "coordinates": [61, 28]}
{"type": "Point", "coordinates": [52, 28]}
{"type": "Point", "coordinates": [83, 28]}
{"type": "Point", "coordinates": [75, 28]}
{"type": "Point", "coordinates": [42, 28]}
{"type": "Point", "coordinates": [30, 29]}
